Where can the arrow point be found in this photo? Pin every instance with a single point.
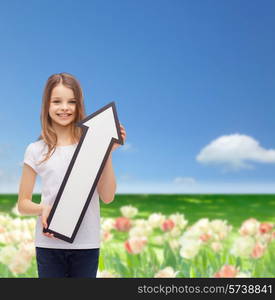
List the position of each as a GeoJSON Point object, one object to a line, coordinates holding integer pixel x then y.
{"type": "Point", "coordinates": [104, 119]}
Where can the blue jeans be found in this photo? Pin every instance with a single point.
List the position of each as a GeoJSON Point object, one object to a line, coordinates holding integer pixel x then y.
{"type": "Point", "coordinates": [67, 262]}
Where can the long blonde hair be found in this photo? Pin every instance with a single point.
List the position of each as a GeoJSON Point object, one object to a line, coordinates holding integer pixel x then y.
{"type": "Point", "coordinates": [48, 134]}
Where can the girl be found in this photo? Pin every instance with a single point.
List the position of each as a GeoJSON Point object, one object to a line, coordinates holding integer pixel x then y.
{"type": "Point", "coordinates": [49, 157]}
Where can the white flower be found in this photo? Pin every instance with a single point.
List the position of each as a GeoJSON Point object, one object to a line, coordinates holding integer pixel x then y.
{"type": "Point", "coordinates": [7, 253]}
{"type": "Point", "coordinates": [203, 225]}
{"type": "Point", "coordinates": [192, 233]}
{"type": "Point", "coordinates": [220, 229]}
{"type": "Point", "coordinates": [189, 248]}
{"type": "Point", "coordinates": [141, 228]}
{"type": "Point", "coordinates": [31, 222]}
{"type": "Point", "coordinates": [197, 230]}
{"type": "Point", "coordinates": [17, 236]}
{"type": "Point", "coordinates": [249, 227]}
{"type": "Point", "coordinates": [107, 224]}
{"type": "Point", "coordinates": [243, 275]}
{"type": "Point", "coordinates": [27, 249]}
{"type": "Point", "coordinates": [105, 274]}
{"type": "Point", "coordinates": [16, 224]}
{"type": "Point", "coordinates": [175, 232]}
{"type": "Point", "coordinates": [216, 246]}
{"type": "Point", "coordinates": [4, 238]}
{"type": "Point", "coordinates": [139, 231]}
{"type": "Point", "coordinates": [179, 220]}
{"type": "Point", "coordinates": [167, 272]}
{"type": "Point", "coordinates": [141, 222]}
{"type": "Point", "coordinates": [243, 246]}
{"type": "Point", "coordinates": [174, 244]}
{"type": "Point", "coordinates": [19, 264]}
{"type": "Point", "coordinates": [15, 210]}
{"type": "Point", "coordinates": [128, 211]}
{"type": "Point", "coordinates": [14, 236]}
{"type": "Point", "coordinates": [5, 220]}
{"type": "Point", "coordinates": [156, 219]}
{"type": "Point", "coordinates": [22, 259]}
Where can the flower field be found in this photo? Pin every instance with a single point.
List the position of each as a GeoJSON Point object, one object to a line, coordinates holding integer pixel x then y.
{"type": "Point", "coordinates": [135, 244]}
{"type": "Point", "coordinates": [167, 246]}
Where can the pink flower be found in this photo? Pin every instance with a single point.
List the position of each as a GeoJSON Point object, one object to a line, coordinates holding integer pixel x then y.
{"type": "Point", "coordinates": [167, 225]}
{"type": "Point", "coordinates": [216, 246]}
{"type": "Point", "coordinates": [205, 237]}
{"type": "Point", "coordinates": [226, 271]}
{"type": "Point", "coordinates": [135, 244]}
{"type": "Point", "coordinates": [122, 224]}
{"type": "Point", "coordinates": [265, 227]}
{"type": "Point", "coordinates": [258, 251]}
{"type": "Point", "coordinates": [106, 236]}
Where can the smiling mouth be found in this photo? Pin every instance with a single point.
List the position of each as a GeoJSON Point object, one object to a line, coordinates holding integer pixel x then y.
{"type": "Point", "coordinates": [64, 115]}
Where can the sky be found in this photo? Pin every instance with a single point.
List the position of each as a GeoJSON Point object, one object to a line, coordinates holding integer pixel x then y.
{"type": "Point", "coordinates": [193, 84]}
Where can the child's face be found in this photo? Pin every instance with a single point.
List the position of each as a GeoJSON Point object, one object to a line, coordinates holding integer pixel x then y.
{"type": "Point", "coordinates": [62, 105]}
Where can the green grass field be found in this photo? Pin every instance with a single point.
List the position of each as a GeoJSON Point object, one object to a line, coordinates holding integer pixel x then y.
{"type": "Point", "coordinates": [234, 208]}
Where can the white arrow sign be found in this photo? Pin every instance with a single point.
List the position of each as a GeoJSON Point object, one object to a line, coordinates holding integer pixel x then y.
{"type": "Point", "coordinates": [101, 131]}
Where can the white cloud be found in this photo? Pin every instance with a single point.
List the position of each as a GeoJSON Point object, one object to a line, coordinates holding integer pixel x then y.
{"type": "Point", "coordinates": [184, 180]}
{"type": "Point", "coordinates": [233, 151]}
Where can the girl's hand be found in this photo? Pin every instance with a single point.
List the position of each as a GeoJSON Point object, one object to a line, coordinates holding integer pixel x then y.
{"type": "Point", "coordinates": [44, 216]}
{"type": "Point", "coordinates": [123, 135]}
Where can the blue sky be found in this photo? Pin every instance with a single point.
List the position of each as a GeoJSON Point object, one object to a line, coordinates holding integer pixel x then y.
{"type": "Point", "coordinates": [193, 83]}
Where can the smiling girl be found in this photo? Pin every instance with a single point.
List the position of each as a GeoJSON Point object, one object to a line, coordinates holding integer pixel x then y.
{"type": "Point", "coordinates": [49, 157]}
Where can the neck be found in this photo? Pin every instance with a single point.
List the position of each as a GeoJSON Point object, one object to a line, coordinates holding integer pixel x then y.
{"type": "Point", "coordinates": [64, 134]}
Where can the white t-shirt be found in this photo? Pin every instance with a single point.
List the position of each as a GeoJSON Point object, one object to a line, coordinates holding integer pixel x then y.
{"type": "Point", "coordinates": [52, 173]}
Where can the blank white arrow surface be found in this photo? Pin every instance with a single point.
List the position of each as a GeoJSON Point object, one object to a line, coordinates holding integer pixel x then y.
{"type": "Point", "coordinates": [80, 181]}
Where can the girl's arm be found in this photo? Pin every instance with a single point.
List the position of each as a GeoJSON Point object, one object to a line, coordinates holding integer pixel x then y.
{"type": "Point", "coordinates": [106, 186]}
{"type": "Point", "coordinates": [25, 204]}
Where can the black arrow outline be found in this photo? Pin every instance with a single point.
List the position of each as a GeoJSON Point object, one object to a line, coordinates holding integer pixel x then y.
{"type": "Point", "coordinates": [70, 167]}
